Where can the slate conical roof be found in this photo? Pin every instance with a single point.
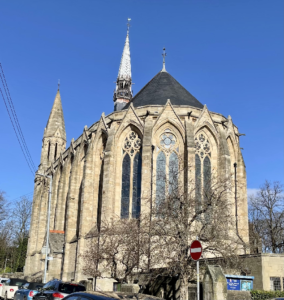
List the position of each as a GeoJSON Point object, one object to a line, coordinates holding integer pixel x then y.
{"type": "Point", "coordinates": [125, 63]}
{"type": "Point", "coordinates": [56, 119]}
{"type": "Point", "coordinates": [161, 88]}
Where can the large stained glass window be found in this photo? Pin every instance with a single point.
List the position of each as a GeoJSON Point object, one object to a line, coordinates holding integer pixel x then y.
{"type": "Point", "coordinates": [173, 173]}
{"type": "Point", "coordinates": [202, 169]}
{"type": "Point", "coordinates": [161, 178]}
{"type": "Point", "coordinates": [131, 164]}
{"type": "Point", "coordinates": [167, 166]}
{"type": "Point", "coordinates": [136, 195]}
{"type": "Point", "coordinates": [197, 182]}
{"type": "Point", "coordinates": [206, 174]}
{"type": "Point", "coordinates": [125, 187]}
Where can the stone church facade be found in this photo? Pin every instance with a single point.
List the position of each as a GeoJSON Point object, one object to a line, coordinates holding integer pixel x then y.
{"type": "Point", "coordinates": [108, 171]}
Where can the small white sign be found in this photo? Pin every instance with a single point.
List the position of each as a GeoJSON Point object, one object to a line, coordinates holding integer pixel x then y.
{"type": "Point", "coordinates": [43, 250]}
{"type": "Point", "coordinates": [50, 258]}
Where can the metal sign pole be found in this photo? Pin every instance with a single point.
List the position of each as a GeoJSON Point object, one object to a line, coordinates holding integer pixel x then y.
{"type": "Point", "coordinates": [197, 275]}
{"type": "Point", "coordinates": [196, 252]}
{"type": "Point", "coordinates": [47, 229]}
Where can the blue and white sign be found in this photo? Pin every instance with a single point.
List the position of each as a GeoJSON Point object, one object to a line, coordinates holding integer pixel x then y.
{"type": "Point", "coordinates": [233, 284]}
{"type": "Point", "coordinates": [239, 282]}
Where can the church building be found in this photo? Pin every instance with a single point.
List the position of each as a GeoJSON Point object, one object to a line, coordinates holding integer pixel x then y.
{"type": "Point", "coordinates": [110, 168]}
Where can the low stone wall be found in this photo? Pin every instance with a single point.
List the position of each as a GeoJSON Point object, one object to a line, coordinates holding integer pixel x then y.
{"type": "Point", "coordinates": [238, 295]}
{"type": "Point", "coordinates": [18, 275]}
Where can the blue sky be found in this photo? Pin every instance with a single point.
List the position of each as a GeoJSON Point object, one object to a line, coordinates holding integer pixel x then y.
{"type": "Point", "coordinates": [227, 53]}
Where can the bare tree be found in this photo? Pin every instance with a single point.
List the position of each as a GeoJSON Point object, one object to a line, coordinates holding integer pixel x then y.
{"type": "Point", "coordinates": [3, 206]}
{"type": "Point", "coordinates": [266, 214]}
{"type": "Point", "coordinates": [158, 242]}
{"type": "Point", "coordinates": [14, 229]}
{"type": "Point", "coordinates": [114, 252]}
{"type": "Point", "coordinates": [204, 211]}
{"type": "Point", "coordinates": [5, 229]}
{"type": "Point", "coordinates": [22, 210]}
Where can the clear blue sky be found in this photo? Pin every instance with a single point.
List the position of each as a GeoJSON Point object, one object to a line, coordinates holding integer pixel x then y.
{"type": "Point", "coordinates": [227, 53]}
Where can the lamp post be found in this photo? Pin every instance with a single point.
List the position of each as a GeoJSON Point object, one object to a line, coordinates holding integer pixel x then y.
{"type": "Point", "coordinates": [48, 221]}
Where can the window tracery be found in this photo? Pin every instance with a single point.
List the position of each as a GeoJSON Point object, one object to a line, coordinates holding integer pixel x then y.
{"type": "Point", "coordinates": [202, 146]}
{"type": "Point", "coordinates": [167, 165]}
{"type": "Point", "coordinates": [202, 168]}
{"type": "Point", "coordinates": [131, 176]}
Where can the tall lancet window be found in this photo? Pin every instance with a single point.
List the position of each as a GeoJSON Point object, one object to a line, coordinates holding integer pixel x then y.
{"type": "Point", "coordinates": [131, 176]}
{"type": "Point", "coordinates": [202, 169]}
{"type": "Point", "coordinates": [167, 167]}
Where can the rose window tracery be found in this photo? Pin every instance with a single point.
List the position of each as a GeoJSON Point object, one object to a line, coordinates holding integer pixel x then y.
{"type": "Point", "coordinates": [202, 146]}
{"type": "Point", "coordinates": [167, 140]}
{"type": "Point", "coordinates": [132, 143]}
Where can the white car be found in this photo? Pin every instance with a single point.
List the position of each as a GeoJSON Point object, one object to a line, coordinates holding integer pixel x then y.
{"type": "Point", "coordinates": [2, 280]}
{"type": "Point", "coordinates": [10, 287]}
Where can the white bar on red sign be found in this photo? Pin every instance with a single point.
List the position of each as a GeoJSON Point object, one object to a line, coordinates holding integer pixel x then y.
{"type": "Point", "coordinates": [195, 250]}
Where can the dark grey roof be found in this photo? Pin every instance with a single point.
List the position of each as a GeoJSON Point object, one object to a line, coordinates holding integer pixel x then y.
{"type": "Point", "coordinates": [161, 88]}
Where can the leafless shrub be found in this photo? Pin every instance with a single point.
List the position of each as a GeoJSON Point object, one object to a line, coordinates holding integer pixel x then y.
{"type": "Point", "coordinates": [266, 215]}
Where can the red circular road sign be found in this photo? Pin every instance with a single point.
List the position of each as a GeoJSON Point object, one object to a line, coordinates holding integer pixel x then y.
{"type": "Point", "coordinates": [195, 250]}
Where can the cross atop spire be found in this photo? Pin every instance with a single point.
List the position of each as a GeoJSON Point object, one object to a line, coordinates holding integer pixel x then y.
{"type": "Point", "coordinates": [164, 60]}
{"type": "Point", "coordinates": [58, 84]}
{"type": "Point", "coordinates": [128, 25]}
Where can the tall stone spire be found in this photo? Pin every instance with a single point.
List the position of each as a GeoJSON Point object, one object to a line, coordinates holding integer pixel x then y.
{"type": "Point", "coordinates": [54, 138]}
{"type": "Point", "coordinates": [123, 92]}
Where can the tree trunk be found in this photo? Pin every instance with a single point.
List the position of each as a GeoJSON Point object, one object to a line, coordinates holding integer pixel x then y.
{"type": "Point", "coordinates": [184, 288]}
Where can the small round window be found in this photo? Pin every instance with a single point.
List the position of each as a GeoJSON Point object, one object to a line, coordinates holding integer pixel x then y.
{"type": "Point", "coordinates": [167, 140]}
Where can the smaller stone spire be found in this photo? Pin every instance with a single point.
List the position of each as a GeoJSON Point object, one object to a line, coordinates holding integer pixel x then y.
{"type": "Point", "coordinates": [123, 92]}
{"type": "Point", "coordinates": [54, 138]}
{"type": "Point", "coordinates": [56, 119]}
{"type": "Point", "coordinates": [164, 60]}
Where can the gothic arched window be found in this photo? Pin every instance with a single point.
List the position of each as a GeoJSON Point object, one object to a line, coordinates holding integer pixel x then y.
{"type": "Point", "coordinates": [131, 185]}
{"type": "Point", "coordinates": [202, 168]}
{"type": "Point", "coordinates": [166, 166]}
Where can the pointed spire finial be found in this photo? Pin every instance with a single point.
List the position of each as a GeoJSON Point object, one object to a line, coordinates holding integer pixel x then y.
{"type": "Point", "coordinates": [164, 60]}
{"type": "Point", "coordinates": [128, 25]}
{"type": "Point", "coordinates": [123, 92]}
{"type": "Point", "coordinates": [58, 84]}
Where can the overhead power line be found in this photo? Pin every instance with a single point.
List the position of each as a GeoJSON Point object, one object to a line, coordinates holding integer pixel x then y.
{"type": "Point", "coordinates": [15, 122]}
{"type": "Point", "coordinates": [15, 130]}
{"type": "Point", "coordinates": [15, 117]}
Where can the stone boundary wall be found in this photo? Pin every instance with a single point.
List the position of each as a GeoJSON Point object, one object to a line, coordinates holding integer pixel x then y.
{"type": "Point", "coordinates": [238, 295]}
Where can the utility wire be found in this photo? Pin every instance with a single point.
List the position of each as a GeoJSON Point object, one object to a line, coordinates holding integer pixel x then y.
{"type": "Point", "coordinates": [10, 101]}
{"type": "Point", "coordinates": [15, 130]}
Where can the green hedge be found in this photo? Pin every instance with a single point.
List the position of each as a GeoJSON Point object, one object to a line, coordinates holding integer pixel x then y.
{"type": "Point", "coordinates": [260, 295]}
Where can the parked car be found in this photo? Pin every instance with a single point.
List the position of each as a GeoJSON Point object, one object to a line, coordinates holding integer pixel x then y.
{"type": "Point", "coordinates": [92, 296]}
{"type": "Point", "coordinates": [10, 287]}
{"type": "Point", "coordinates": [27, 291]}
{"type": "Point", "coordinates": [2, 280]}
{"type": "Point", "coordinates": [57, 289]}
{"type": "Point", "coordinates": [109, 296]}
